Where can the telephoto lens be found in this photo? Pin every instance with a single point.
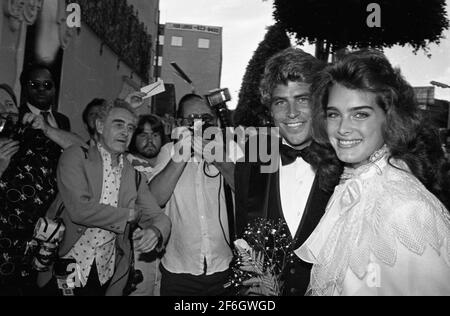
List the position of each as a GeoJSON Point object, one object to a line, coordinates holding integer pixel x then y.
{"type": "Point", "coordinates": [136, 278]}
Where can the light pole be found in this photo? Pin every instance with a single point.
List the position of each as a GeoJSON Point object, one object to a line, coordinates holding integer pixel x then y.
{"type": "Point", "coordinates": [440, 85]}
{"type": "Point", "coordinates": [180, 73]}
{"type": "Point", "coordinates": [443, 132]}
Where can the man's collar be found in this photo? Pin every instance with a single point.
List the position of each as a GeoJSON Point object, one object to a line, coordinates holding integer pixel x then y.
{"type": "Point", "coordinates": [284, 142]}
{"type": "Point", "coordinates": [37, 111]}
{"type": "Point", "coordinates": [107, 154]}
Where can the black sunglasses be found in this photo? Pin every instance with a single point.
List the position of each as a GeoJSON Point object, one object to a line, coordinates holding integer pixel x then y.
{"type": "Point", "coordinates": [47, 85]}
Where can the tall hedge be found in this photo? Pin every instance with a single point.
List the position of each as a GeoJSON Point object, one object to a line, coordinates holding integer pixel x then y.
{"type": "Point", "coordinates": [250, 112]}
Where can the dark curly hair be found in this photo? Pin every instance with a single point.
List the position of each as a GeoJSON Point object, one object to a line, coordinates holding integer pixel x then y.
{"type": "Point", "coordinates": [409, 136]}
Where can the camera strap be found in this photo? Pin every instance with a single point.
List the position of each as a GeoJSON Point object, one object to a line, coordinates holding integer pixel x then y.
{"type": "Point", "coordinates": [55, 231]}
{"type": "Point", "coordinates": [230, 213]}
{"type": "Point", "coordinates": [130, 286]}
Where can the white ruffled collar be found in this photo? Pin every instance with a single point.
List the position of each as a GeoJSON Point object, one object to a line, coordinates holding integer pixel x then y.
{"type": "Point", "coordinates": [376, 164]}
{"type": "Point", "coordinates": [359, 222]}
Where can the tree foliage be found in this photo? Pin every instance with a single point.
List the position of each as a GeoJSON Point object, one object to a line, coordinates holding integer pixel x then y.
{"type": "Point", "coordinates": [343, 23]}
{"type": "Point", "coordinates": [250, 111]}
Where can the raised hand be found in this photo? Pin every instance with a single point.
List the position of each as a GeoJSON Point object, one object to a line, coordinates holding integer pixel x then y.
{"type": "Point", "coordinates": [36, 121]}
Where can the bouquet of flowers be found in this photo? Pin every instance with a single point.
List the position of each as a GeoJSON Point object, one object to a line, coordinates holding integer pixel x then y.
{"type": "Point", "coordinates": [261, 258]}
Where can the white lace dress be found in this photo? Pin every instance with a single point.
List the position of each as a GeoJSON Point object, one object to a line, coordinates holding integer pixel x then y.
{"type": "Point", "coordinates": [383, 234]}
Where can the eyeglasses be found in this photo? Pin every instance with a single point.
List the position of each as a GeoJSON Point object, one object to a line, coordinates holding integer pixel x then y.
{"type": "Point", "coordinates": [205, 118]}
{"type": "Point", "coordinates": [47, 85]}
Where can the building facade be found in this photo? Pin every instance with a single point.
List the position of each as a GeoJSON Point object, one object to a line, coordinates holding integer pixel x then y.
{"type": "Point", "coordinates": [110, 55]}
{"type": "Point", "coordinates": [197, 50]}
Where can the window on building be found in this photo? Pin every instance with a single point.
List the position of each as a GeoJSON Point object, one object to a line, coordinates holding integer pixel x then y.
{"type": "Point", "coordinates": [161, 40]}
{"type": "Point", "coordinates": [203, 43]}
{"type": "Point", "coordinates": [177, 41]}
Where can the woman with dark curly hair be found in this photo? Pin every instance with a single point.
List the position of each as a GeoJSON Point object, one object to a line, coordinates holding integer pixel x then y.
{"type": "Point", "coordinates": [386, 230]}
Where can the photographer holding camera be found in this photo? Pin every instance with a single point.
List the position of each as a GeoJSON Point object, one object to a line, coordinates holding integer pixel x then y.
{"type": "Point", "coordinates": [198, 254]}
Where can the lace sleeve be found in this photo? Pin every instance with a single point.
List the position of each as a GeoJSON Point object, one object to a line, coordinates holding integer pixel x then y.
{"type": "Point", "coordinates": [418, 219]}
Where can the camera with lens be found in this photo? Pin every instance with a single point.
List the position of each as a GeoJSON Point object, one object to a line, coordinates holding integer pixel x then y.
{"type": "Point", "coordinates": [48, 234]}
{"type": "Point", "coordinates": [196, 122]}
{"type": "Point", "coordinates": [217, 99]}
{"type": "Point", "coordinates": [136, 277]}
{"type": "Point", "coordinates": [9, 126]}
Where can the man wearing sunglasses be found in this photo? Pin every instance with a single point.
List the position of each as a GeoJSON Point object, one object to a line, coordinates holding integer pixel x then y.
{"type": "Point", "coordinates": [198, 254]}
{"type": "Point", "coordinates": [40, 92]}
{"type": "Point", "coordinates": [28, 182]}
{"type": "Point", "coordinates": [38, 109]}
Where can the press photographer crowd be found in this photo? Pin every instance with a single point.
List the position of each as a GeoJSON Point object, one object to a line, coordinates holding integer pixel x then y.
{"type": "Point", "coordinates": [358, 204]}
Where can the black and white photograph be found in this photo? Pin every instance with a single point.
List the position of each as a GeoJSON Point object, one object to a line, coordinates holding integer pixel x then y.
{"type": "Point", "coordinates": [224, 155]}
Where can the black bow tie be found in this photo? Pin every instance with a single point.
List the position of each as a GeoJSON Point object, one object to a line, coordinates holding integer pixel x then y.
{"type": "Point", "coordinates": [289, 155]}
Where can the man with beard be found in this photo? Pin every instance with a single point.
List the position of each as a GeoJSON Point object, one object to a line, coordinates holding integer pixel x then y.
{"type": "Point", "coordinates": [145, 150]}
{"type": "Point", "coordinates": [148, 140]}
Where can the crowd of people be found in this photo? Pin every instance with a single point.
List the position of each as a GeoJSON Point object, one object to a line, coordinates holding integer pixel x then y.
{"type": "Point", "coordinates": [362, 185]}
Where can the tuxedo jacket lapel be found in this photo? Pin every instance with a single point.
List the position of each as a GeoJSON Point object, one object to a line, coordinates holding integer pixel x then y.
{"type": "Point", "coordinates": [275, 208]}
{"type": "Point", "coordinates": [255, 194]}
{"type": "Point", "coordinates": [314, 211]}
{"type": "Point", "coordinates": [259, 196]}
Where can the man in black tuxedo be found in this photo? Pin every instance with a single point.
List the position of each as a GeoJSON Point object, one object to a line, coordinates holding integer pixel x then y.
{"type": "Point", "coordinates": [293, 192]}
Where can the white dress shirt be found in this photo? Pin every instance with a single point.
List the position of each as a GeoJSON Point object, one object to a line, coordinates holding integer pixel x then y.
{"type": "Point", "coordinates": [198, 237]}
{"type": "Point", "coordinates": [97, 244]}
{"type": "Point", "coordinates": [296, 181]}
{"type": "Point", "coordinates": [51, 118]}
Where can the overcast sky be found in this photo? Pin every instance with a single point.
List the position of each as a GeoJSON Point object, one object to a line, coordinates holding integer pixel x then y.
{"type": "Point", "coordinates": [245, 23]}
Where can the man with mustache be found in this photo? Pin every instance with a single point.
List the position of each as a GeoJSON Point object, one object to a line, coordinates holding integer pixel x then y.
{"type": "Point", "coordinates": [148, 140]}
{"type": "Point", "coordinates": [145, 149]}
